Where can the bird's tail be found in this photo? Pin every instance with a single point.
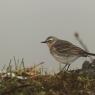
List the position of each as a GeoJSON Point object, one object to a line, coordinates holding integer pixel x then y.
{"type": "Point", "coordinates": [92, 54]}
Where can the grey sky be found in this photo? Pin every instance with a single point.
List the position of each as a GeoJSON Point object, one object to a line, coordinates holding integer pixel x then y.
{"type": "Point", "coordinates": [25, 23]}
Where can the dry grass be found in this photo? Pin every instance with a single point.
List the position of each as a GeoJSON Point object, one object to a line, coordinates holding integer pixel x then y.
{"type": "Point", "coordinates": [76, 82]}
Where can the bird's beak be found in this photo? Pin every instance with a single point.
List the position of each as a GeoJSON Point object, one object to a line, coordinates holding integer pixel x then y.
{"type": "Point", "coordinates": [44, 42]}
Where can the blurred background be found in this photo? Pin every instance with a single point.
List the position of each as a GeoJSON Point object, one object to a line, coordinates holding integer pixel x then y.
{"type": "Point", "coordinates": [25, 23]}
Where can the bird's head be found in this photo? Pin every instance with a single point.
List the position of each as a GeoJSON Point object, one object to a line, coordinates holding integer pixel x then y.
{"type": "Point", "coordinates": [50, 40]}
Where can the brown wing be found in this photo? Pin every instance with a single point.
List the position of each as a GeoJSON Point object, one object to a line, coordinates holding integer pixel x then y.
{"type": "Point", "coordinates": [66, 47]}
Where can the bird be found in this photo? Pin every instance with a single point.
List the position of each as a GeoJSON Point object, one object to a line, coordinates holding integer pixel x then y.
{"type": "Point", "coordinates": [64, 51]}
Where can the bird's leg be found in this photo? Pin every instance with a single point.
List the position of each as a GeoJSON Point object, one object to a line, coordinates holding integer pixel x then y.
{"type": "Point", "coordinates": [64, 67]}
{"type": "Point", "coordinates": [68, 67]}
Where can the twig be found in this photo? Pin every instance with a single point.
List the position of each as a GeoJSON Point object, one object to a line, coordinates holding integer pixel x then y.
{"type": "Point", "coordinates": [82, 44]}
{"type": "Point", "coordinates": [22, 62]}
{"type": "Point", "coordinates": [3, 68]}
{"type": "Point", "coordinates": [16, 66]}
{"type": "Point", "coordinates": [9, 68]}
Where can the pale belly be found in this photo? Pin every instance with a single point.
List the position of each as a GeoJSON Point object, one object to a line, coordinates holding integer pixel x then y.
{"type": "Point", "coordinates": [64, 59]}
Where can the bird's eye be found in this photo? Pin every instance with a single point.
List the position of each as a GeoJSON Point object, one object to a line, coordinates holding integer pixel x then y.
{"type": "Point", "coordinates": [50, 40]}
